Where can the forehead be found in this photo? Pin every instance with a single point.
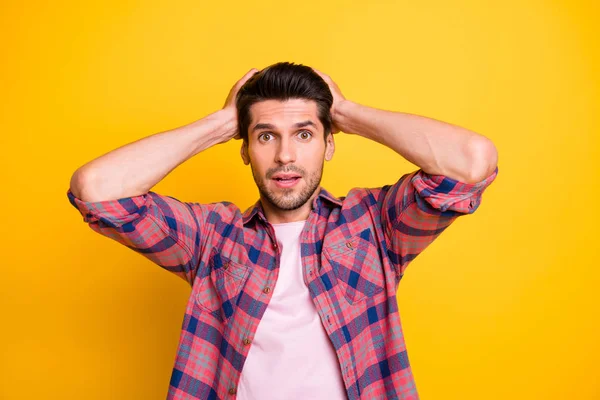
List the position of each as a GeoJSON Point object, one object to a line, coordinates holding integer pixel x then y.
{"type": "Point", "coordinates": [284, 113]}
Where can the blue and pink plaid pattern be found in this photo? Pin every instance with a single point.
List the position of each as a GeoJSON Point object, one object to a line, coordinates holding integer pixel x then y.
{"type": "Point", "coordinates": [355, 250]}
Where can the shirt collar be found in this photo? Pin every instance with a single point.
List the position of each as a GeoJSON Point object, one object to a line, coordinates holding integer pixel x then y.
{"type": "Point", "coordinates": [257, 209]}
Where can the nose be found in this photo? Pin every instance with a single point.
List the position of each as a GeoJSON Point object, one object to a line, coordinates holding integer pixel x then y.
{"type": "Point", "coordinates": [286, 151]}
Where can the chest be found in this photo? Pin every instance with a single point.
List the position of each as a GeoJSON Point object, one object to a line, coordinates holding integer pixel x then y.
{"type": "Point", "coordinates": [342, 260]}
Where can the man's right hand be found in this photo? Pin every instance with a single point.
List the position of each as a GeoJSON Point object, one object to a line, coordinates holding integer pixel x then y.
{"type": "Point", "coordinates": [230, 101]}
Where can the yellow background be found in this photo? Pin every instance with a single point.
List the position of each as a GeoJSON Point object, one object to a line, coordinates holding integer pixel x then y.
{"type": "Point", "coordinates": [503, 306]}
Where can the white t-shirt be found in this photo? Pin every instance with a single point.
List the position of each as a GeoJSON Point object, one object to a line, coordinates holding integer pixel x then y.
{"type": "Point", "coordinates": [291, 356]}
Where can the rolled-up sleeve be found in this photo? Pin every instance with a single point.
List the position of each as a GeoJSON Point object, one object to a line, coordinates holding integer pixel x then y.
{"type": "Point", "coordinates": [161, 228]}
{"type": "Point", "coordinates": [419, 207]}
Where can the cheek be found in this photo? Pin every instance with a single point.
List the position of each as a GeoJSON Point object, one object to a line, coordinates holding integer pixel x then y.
{"type": "Point", "coordinates": [312, 158]}
{"type": "Point", "coordinates": [260, 161]}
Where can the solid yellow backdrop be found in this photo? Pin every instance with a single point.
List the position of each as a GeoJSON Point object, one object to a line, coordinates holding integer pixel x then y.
{"type": "Point", "coordinates": [503, 305]}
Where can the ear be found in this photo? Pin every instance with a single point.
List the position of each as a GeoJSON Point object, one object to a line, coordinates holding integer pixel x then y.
{"type": "Point", "coordinates": [329, 147]}
{"type": "Point", "coordinates": [244, 152]}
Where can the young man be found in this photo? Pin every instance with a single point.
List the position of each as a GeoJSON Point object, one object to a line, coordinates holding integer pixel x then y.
{"type": "Point", "coordinates": [296, 297]}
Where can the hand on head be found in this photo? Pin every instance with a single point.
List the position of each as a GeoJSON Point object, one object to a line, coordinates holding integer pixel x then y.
{"type": "Point", "coordinates": [338, 97]}
{"type": "Point", "coordinates": [230, 101]}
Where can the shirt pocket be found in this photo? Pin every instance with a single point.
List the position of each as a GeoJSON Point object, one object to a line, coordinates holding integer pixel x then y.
{"type": "Point", "coordinates": [357, 267]}
{"type": "Point", "coordinates": [219, 292]}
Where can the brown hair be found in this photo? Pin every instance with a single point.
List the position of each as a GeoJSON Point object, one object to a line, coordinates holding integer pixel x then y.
{"type": "Point", "coordinates": [283, 81]}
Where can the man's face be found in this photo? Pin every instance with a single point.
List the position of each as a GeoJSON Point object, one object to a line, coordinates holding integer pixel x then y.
{"type": "Point", "coordinates": [286, 151]}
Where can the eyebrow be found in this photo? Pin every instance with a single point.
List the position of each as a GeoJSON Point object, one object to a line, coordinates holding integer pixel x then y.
{"type": "Point", "coordinates": [296, 125]}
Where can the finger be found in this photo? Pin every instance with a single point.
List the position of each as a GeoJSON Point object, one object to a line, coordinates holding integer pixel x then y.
{"type": "Point", "coordinates": [322, 75]}
{"type": "Point", "coordinates": [247, 76]}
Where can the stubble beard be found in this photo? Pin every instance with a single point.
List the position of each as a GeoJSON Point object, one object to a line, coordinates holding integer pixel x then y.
{"type": "Point", "coordinates": [287, 201]}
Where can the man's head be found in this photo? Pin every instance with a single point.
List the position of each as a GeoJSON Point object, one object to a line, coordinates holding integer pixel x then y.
{"type": "Point", "coordinates": [285, 121]}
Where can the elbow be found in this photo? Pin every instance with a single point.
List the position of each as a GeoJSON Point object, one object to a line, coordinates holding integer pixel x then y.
{"type": "Point", "coordinates": [81, 182]}
{"type": "Point", "coordinates": [484, 159]}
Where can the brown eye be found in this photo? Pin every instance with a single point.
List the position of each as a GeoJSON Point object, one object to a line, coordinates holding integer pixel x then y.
{"type": "Point", "coordinates": [265, 137]}
{"type": "Point", "coordinates": [305, 135]}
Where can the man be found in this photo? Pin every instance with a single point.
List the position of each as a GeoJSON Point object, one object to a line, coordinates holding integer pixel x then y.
{"type": "Point", "coordinates": [296, 297]}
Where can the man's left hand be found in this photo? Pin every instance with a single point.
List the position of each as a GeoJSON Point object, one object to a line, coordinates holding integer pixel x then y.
{"type": "Point", "coordinates": [338, 98]}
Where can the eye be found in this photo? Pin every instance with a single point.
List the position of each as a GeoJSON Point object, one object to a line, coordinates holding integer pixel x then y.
{"type": "Point", "coordinates": [305, 135]}
{"type": "Point", "coordinates": [265, 137]}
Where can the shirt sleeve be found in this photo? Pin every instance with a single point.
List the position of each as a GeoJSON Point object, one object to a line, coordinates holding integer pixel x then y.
{"type": "Point", "coordinates": [419, 207]}
{"type": "Point", "coordinates": [161, 228]}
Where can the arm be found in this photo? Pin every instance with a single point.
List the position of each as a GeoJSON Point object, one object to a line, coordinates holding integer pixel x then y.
{"type": "Point", "coordinates": [135, 168]}
{"type": "Point", "coordinates": [438, 148]}
{"type": "Point", "coordinates": [112, 192]}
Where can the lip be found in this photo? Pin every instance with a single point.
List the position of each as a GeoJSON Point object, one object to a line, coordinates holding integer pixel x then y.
{"type": "Point", "coordinates": [285, 176]}
{"type": "Point", "coordinates": [288, 183]}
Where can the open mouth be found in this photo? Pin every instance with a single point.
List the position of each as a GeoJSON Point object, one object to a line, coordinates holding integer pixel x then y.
{"type": "Point", "coordinates": [286, 181]}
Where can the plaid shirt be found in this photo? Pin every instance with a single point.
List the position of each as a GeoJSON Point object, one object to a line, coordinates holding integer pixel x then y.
{"type": "Point", "coordinates": [354, 252]}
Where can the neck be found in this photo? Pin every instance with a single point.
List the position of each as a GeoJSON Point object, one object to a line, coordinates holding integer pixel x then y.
{"type": "Point", "coordinates": [276, 215]}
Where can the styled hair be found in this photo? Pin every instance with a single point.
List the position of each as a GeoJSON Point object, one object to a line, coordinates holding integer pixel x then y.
{"type": "Point", "coordinates": [284, 81]}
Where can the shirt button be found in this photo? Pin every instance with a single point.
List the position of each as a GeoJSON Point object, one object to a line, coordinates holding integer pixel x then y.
{"type": "Point", "coordinates": [275, 246]}
{"type": "Point", "coordinates": [349, 245]}
{"type": "Point", "coordinates": [226, 265]}
{"type": "Point", "coordinates": [247, 341]}
{"type": "Point", "coordinates": [232, 391]}
{"type": "Point", "coordinates": [266, 290]}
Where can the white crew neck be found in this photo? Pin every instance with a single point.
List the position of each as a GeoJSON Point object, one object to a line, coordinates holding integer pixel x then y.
{"type": "Point", "coordinates": [291, 223]}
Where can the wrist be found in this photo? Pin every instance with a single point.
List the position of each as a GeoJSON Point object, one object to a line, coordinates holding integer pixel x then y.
{"type": "Point", "coordinates": [228, 118]}
{"type": "Point", "coordinates": [215, 128]}
{"type": "Point", "coordinates": [342, 115]}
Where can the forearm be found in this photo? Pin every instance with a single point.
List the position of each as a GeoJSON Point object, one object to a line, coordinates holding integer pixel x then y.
{"type": "Point", "coordinates": [135, 168]}
{"type": "Point", "coordinates": [436, 147]}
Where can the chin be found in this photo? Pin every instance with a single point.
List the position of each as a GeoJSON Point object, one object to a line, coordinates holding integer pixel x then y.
{"type": "Point", "coordinates": [289, 199]}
